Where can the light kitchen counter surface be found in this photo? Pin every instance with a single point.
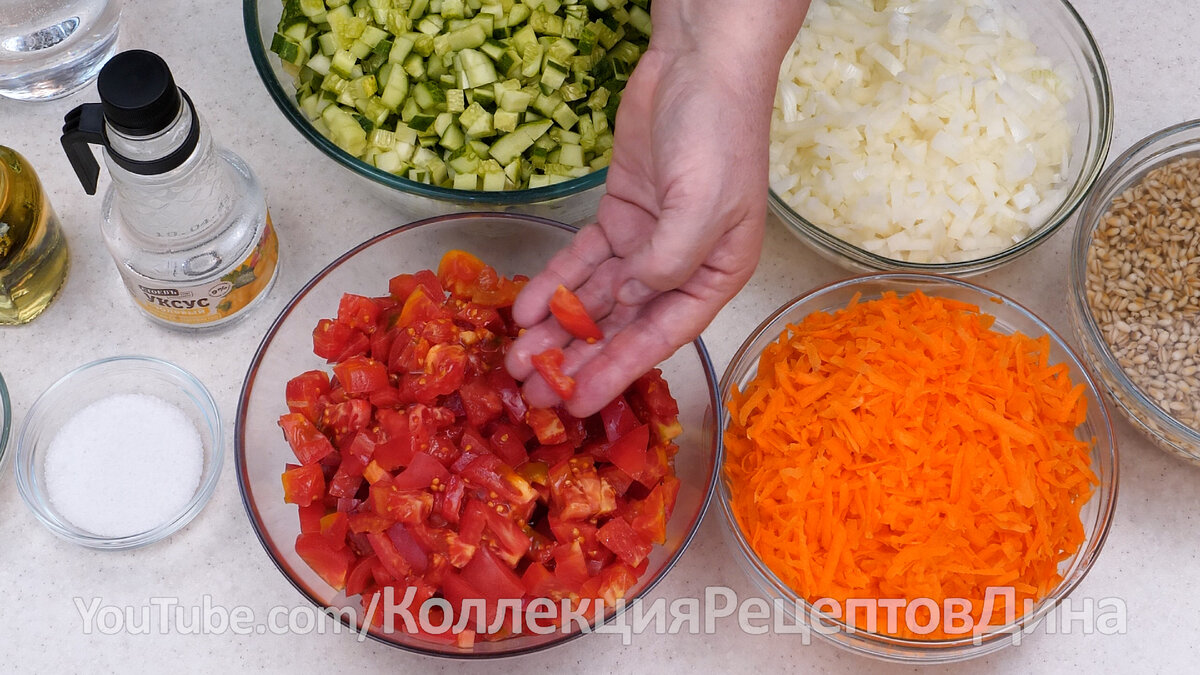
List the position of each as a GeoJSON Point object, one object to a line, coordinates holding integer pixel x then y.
{"type": "Point", "coordinates": [1150, 561]}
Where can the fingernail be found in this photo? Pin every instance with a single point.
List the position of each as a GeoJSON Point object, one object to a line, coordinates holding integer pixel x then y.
{"type": "Point", "coordinates": [634, 292]}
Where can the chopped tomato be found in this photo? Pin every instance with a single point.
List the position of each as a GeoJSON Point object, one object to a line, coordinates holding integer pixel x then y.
{"type": "Point", "coordinates": [329, 563]}
{"type": "Point", "coordinates": [358, 312]}
{"type": "Point", "coordinates": [549, 365]}
{"type": "Point", "coordinates": [361, 375]}
{"type": "Point", "coordinates": [337, 342]}
{"type": "Point", "coordinates": [308, 444]}
{"type": "Point", "coordinates": [303, 485]}
{"type": "Point", "coordinates": [572, 316]}
{"type": "Point", "coordinates": [423, 469]}
{"type": "Point", "coordinates": [305, 392]}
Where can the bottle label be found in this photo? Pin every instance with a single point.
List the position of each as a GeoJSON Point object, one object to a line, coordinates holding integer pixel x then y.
{"type": "Point", "coordinates": [214, 301]}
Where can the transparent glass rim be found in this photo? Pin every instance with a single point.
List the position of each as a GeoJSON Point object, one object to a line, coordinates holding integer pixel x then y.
{"type": "Point", "coordinates": [1128, 168]}
{"type": "Point", "coordinates": [951, 646]}
{"type": "Point", "coordinates": [813, 234]}
{"type": "Point", "coordinates": [5, 421]}
{"type": "Point", "coordinates": [284, 100]}
{"type": "Point", "coordinates": [26, 471]}
{"type": "Point", "coordinates": [252, 514]}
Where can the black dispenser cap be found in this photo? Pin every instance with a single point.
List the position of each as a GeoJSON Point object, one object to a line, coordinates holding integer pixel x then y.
{"type": "Point", "coordinates": [138, 98]}
{"type": "Point", "coordinates": [138, 93]}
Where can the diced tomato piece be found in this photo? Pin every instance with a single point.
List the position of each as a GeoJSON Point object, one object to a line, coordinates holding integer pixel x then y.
{"type": "Point", "coordinates": [576, 491]}
{"type": "Point", "coordinates": [480, 318]}
{"type": "Point", "coordinates": [406, 506]}
{"type": "Point", "coordinates": [549, 365]}
{"type": "Point", "coordinates": [367, 521]}
{"type": "Point", "coordinates": [492, 290]}
{"type": "Point", "coordinates": [348, 477]}
{"type": "Point", "coordinates": [570, 567]}
{"type": "Point", "coordinates": [495, 579]}
{"type": "Point", "coordinates": [422, 472]}
{"type": "Point", "coordinates": [481, 403]}
{"type": "Point", "coordinates": [505, 443]}
{"type": "Point", "coordinates": [306, 441]}
{"type": "Point", "coordinates": [375, 473]}
{"type": "Point", "coordinates": [618, 537]}
{"type": "Point", "coordinates": [658, 465]}
{"type": "Point", "coordinates": [361, 375]}
{"type": "Point", "coordinates": [628, 453]}
{"type": "Point", "coordinates": [304, 394]}
{"type": "Point", "coordinates": [360, 575]}
{"type": "Point", "coordinates": [311, 515]}
{"type": "Point", "coordinates": [303, 485]}
{"type": "Point", "coordinates": [572, 316]}
{"type": "Point", "coordinates": [458, 272]}
{"type": "Point", "coordinates": [510, 394]}
{"type": "Point", "coordinates": [343, 419]}
{"type": "Point", "coordinates": [329, 563]}
{"type": "Point", "coordinates": [389, 557]}
{"type": "Point", "coordinates": [648, 517]}
{"type": "Point", "coordinates": [548, 427]}
{"type": "Point", "coordinates": [615, 582]}
{"type": "Point", "coordinates": [335, 527]}
{"type": "Point", "coordinates": [448, 503]}
{"type": "Point", "coordinates": [445, 368]}
{"type": "Point", "coordinates": [618, 418]}
{"type": "Point", "coordinates": [490, 473]}
{"type": "Point", "coordinates": [358, 312]}
{"type": "Point", "coordinates": [336, 342]}
{"type": "Point", "coordinates": [421, 306]}
{"type": "Point", "coordinates": [654, 393]}
{"type": "Point", "coordinates": [508, 540]}
{"type": "Point", "coordinates": [553, 454]}
{"type": "Point", "coordinates": [541, 583]}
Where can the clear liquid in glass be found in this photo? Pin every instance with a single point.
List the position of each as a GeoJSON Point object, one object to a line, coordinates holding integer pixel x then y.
{"type": "Point", "coordinates": [51, 48]}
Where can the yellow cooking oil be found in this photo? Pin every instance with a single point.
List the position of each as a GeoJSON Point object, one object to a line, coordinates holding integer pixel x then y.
{"type": "Point", "coordinates": [33, 251]}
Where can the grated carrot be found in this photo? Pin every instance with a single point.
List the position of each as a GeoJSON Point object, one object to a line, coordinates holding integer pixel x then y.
{"type": "Point", "coordinates": [901, 448]}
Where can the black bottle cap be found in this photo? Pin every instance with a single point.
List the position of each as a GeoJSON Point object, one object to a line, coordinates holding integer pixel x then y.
{"type": "Point", "coordinates": [138, 93]}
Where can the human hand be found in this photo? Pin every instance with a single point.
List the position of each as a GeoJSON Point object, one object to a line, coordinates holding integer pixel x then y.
{"type": "Point", "coordinates": [679, 231]}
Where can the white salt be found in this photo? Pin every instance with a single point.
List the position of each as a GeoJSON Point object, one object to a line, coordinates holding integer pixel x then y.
{"type": "Point", "coordinates": [124, 465]}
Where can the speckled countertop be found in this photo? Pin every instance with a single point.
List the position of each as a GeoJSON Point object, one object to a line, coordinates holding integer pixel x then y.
{"type": "Point", "coordinates": [1150, 561]}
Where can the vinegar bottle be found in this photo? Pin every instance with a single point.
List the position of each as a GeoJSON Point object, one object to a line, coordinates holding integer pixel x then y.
{"type": "Point", "coordinates": [186, 221]}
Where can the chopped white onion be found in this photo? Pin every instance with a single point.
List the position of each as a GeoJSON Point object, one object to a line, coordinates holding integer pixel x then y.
{"type": "Point", "coordinates": [928, 131]}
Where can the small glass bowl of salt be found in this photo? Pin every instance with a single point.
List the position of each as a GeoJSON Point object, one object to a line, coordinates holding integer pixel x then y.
{"type": "Point", "coordinates": [120, 452]}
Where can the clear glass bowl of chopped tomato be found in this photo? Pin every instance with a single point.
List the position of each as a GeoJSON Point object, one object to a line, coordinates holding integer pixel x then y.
{"type": "Point", "coordinates": [430, 538]}
{"type": "Point", "coordinates": [840, 459]}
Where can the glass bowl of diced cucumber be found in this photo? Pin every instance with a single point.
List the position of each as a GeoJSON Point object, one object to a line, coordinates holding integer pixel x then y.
{"type": "Point", "coordinates": [456, 105]}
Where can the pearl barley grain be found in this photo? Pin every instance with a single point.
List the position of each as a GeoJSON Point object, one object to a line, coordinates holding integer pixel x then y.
{"type": "Point", "coordinates": [124, 465]}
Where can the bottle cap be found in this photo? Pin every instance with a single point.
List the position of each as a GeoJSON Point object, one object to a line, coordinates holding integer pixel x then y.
{"type": "Point", "coordinates": [138, 99]}
{"type": "Point", "coordinates": [138, 94]}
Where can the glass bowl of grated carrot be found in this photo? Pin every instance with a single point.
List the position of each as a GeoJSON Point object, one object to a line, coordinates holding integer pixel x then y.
{"type": "Point", "coordinates": [915, 467]}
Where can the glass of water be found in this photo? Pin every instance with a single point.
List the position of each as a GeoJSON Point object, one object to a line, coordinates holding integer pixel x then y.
{"type": "Point", "coordinates": [51, 48]}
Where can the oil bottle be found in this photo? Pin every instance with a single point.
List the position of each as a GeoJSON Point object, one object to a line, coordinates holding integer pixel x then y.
{"type": "Point", "coordinates": [33, 251]}
{"type": "Point", "coordinates": [185, 220]}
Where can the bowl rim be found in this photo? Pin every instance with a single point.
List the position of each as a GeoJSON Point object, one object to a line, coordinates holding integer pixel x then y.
{"type": "Point", "coordinates": [209, 476]}
{"type": "Point", "coordinates": [711, 419]}
{"type": "Point", "coordinates": [951, 648]}
{"type": "Point", "coordinates": [1124, 172]}
{"type": "Point", "coordinates": [1080, 190]}
{"type": "Point", "coordinates": [5, 421]}
{"type": "Point", "coordinates": [479, 198]}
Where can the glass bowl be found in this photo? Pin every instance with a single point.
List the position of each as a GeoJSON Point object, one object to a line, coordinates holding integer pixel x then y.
{"type": "Point", "coordinates": [5, 423]}
{"type": "Point", "coordinates": [514, 245]}
{"type": "Point", "coordinates": [90, 383]}
{"type": "Point", "coordinates": [1096, 514]}
{"type": "Point", "coordinates": [1157, 423]}
{"type": "Point", "coordinates": [1060, 34]}
{"type": "Point", "coordinates": [572, 201]}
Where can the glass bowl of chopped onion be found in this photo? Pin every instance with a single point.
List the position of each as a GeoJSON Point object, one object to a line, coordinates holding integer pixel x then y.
{"type": "Point", "coordinates": [937, 136]}
{"type": "Point", "coordinates": [426, 113]}
{"type": "Point", "coordinates": [901, 451]}
{"type": "Point", "coordinates": [120, 453]}
{"type": "Point", "coordinates": [514, 245]}
{"type": "Point", "coordinates": [1135, 285]}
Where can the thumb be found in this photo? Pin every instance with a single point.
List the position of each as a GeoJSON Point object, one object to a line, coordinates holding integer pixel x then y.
{"type": "Point", "coordinates": [679, 245]}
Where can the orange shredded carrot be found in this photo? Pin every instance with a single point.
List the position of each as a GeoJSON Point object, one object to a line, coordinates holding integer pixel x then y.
{"type": "Point", "coordinates": [901, 448]}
